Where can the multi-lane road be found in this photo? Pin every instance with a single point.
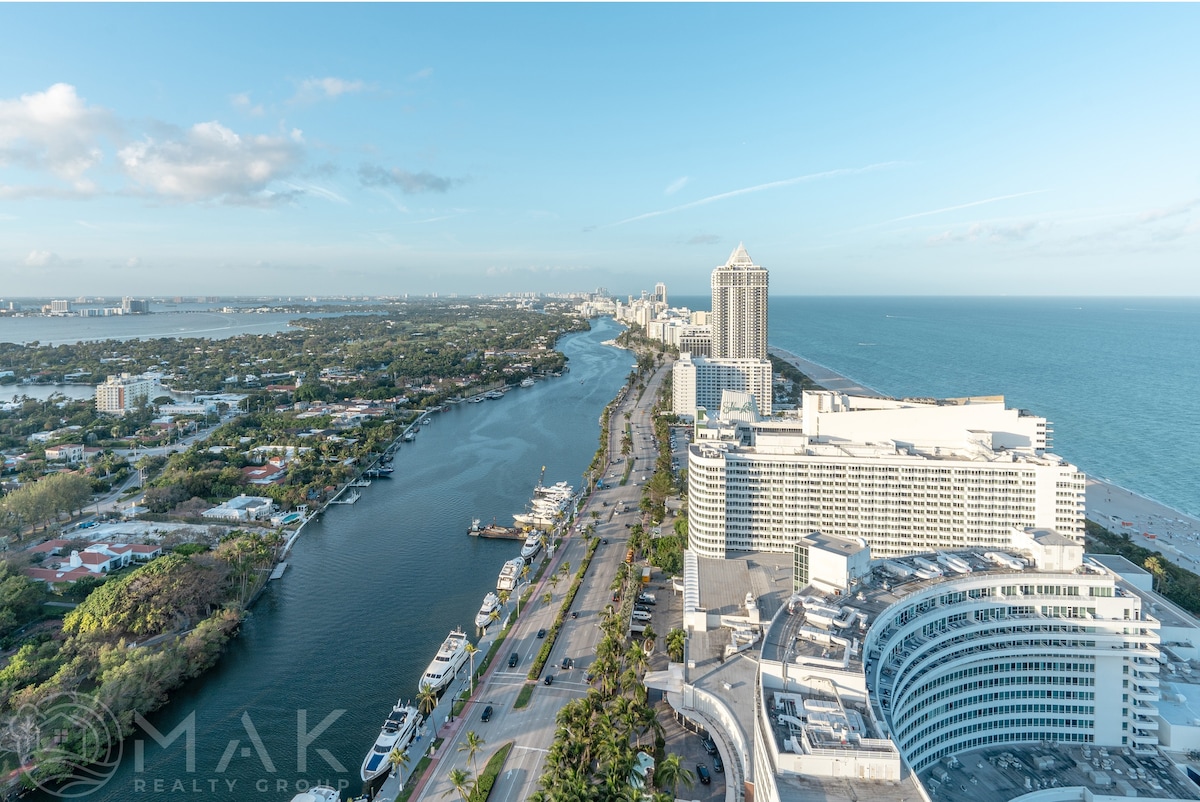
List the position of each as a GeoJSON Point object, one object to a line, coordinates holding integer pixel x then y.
{"type": "Point", "coordinates": [531, 729]}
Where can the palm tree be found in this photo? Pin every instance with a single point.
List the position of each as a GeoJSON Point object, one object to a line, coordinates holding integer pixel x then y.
{"type": "Point", "coordinates": [636, 657]}
{"type": "Point", "coordinates": [676, 639]}
{"type": "Point", "coordinates": [427, 699]}
{"type": "Point", "coordinates": [460, 781]}
{"type": "Point", "coordinates": [471, 649]}
{"type": "Point", "coordinates": [670, 772]}
{"type": "Point", "coordinates": [1154, 566]}
{"type": "Point", "coordinates": [471, 745]}
{"type": "Point", "coordinates": [398, 758]}
{"type": "Point", "coordinates": [547, 597]}
{"type": "Point", "coordinates": [565, 568]}
{"type": "Point", "coordinates": [494, 616]}
{"type": "Point", "coordinates": [504, 596]}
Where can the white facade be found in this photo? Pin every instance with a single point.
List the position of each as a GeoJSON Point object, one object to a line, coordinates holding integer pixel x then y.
{"type": "Point", "coordinates": [933, 667]}
{"type": "Point", "coordinates": [739, 308]}
{"type": "Point", "coordinates": [698, 382]}
{"type": "Point", "coordinates": [1001, 657]}
{"type": "Point", "coordinates": [925, 487]}
{"type": "Point", "coordinates": [119, 394]}
{"type": "Point", "coordinates": [243, 508]}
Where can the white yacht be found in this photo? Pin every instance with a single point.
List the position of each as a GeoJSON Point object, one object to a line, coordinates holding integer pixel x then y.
{"type": "Point", "coordinates": [318, 793]}
{"type": "Point", "coordinates": [484, 616]}
{"type": "Point", "coordinates": [397, 733]}
{"type": "Point", "coordinates": [446, 663]}
{"type": "Point", "coordinates": [510, 574]}
{"type": "Point", "coordinates": [527, 381]}
{"type": "Point", "coordinates": [533, 544]}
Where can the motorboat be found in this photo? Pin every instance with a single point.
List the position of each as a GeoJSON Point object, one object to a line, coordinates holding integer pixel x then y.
{"type": "Point", "coordinates": [533, 544]}
{"type": "Point", "coordinates": [510, 574]}
{"type": "Point", "coordinates": [491, 603]}
{"type": "Point", "coordinates": [446, 663]}
{"type": "Point", "coordinates": [397, 733]}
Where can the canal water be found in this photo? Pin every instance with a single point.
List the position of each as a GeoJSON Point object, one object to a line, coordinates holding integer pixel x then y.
{"type": "Point", "coordinates": [370, 592]}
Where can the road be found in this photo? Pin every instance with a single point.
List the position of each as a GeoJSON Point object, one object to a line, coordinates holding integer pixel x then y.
{"type": "Point", "coordinates": [531, 729]}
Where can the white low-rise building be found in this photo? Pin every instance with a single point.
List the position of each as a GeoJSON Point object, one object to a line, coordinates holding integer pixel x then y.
{"type": "Point", "coordinates": [243, 508]}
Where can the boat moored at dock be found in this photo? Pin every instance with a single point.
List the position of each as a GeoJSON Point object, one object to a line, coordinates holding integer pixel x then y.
{"type": "Point", "coordinates": [318, 793]}
{"type": "Point", "coordinates": [510, 574]}
{"type": "Point", "coordinates": [397, 733]}
{"type": "Point", "coordinates": [446, 663]}
{"type": "Point", "coordinates": [491, 603]}
{"type": "Point", "coordinates": [533, 544]}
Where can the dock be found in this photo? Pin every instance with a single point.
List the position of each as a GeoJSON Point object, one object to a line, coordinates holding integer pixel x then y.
{"type": "Point", "coordinates": [279, 569]}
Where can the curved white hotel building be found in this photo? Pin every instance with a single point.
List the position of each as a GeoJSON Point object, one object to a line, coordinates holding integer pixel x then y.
{"type": "Point", "coordinates": [906, 476]}
{"type": "Point", "coordinates": [952, 654]}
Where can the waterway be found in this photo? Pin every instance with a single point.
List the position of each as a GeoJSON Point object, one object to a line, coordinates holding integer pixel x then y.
{"type": "Point", "coordinates": [370, 592]}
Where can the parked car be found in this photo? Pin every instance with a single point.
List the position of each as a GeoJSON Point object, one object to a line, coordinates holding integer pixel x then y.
{"type": "Point", "coordinates": [487, 714]}
{"type": "Point", "coordinates": [702, 774]}
{"type": "Point", "coordinates": [639, 615]}
{"type": "Point", "coordinates": [646, 598]}
{"type": "Point", "coordinates": [718, 764]}
{"type": "Point", "coordinates": [641, 608]}
{"type": "Point", "coordinates": [513, 659]}
{"type": "Point", "coordinates": [709, 745]}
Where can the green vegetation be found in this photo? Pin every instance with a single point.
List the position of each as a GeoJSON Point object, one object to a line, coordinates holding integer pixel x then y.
{"type": "Point", "coordinates": [598, 736]}
{"type": "Point", "coordinates": [1174, 582]}
{"type": "Point", "coordinates": [539, 662]}
{"type": "Point", "coordinates": [485, 781]}
{"type": "Point", "coordinates": [45, 501]}
{"type": "Point", "coordinates": [21, 601]}
{"type": "Point", "coordinates": [523, 696]}
{"type": "Point", "coordinates": [132, 640]}
{"type": "Point", "coordinates": [795, 382]}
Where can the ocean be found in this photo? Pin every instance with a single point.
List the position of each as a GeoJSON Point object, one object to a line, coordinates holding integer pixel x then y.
{"type": "Point", "coordinates": [1117, 377]}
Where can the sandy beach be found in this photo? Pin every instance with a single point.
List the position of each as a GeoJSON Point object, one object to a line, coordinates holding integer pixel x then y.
{"type": "Point", "coordinates": [1149, 523]}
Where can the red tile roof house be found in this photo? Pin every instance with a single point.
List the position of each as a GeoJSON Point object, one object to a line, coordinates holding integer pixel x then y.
{"type": "Point", "coordinates": [98, 558]}
{"type": "Point", "coordinates": [264, 474]}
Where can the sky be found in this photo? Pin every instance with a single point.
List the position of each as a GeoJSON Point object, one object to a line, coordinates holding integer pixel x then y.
{"type": "Point", "coordinates": [380, 149]}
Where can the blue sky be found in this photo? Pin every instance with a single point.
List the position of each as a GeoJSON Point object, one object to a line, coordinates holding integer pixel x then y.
{"type": "Point", "coordinates": [380, 149]}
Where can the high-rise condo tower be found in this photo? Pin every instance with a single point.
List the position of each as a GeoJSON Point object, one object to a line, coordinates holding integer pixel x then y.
{"type": "Point", "coordinates": [739, 309]}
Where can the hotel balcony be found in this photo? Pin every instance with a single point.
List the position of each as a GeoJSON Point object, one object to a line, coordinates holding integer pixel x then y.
{"type": "Point", "coordinates": [1143, 739]}
{"type": "Point", "coordinates": [1143, 695]}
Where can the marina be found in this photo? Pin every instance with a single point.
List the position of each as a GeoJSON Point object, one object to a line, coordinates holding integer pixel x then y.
{"type": "Point", "coordinates": [359, 583]}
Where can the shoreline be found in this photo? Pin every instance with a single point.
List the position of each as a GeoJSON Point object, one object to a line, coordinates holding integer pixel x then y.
{"type": "Point", "coordinates": [1108, 504]}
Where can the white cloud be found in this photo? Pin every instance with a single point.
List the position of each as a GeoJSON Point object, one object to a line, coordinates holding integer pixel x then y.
{"type": "Point", "coordinates": [42, 259]}
{"type": "Point", "coordinates": [211, 162]}
{"type": "Point", "coordinates": [56, 131]}
{"type": "Point", "coordinates": [242, 101]}
{"type": "Point", "coordinates": [675, 185]}
{"type": "Point", "coordinates": [312, 89]}
{"type": "Point", "coordinates": [421, 74]}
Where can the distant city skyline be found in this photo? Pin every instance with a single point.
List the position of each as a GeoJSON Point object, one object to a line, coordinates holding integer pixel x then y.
{"type": "Point", "coordinates": [382, 149]}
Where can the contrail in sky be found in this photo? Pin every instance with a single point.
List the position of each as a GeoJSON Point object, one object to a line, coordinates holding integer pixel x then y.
{"type": "Point", "coordinates": [963, 206]}
{"type": "Point", "coordinates": [760, 187]}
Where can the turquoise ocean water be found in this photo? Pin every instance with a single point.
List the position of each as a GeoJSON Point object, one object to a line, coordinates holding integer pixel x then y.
{"type": "Point", "coordinates": [1118, 378]}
